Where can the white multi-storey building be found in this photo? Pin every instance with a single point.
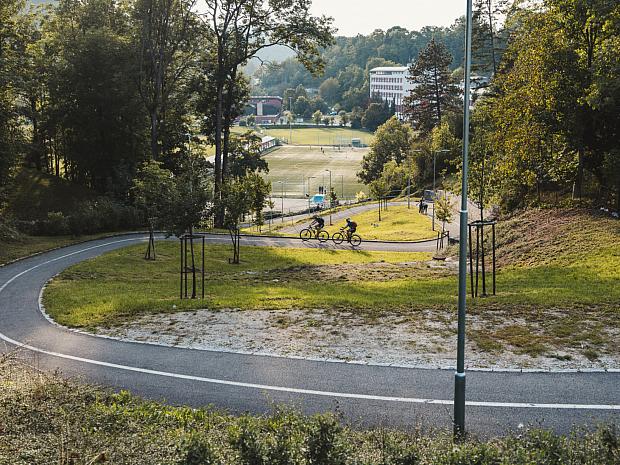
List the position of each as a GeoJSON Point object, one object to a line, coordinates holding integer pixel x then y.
{"type": "Point", "coordinates": [390, 83]}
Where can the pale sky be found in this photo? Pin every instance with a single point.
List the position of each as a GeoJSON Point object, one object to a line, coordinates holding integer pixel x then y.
{"type": "Point", "coordinates": [364, 16]}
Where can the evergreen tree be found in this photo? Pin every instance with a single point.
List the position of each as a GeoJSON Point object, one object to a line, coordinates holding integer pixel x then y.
{"type": "Point", "coordinates": [434, 93]}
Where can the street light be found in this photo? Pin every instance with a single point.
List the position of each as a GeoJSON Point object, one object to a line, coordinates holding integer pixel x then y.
{"type": "Point", "coordinates": [283, 186]}
{"type": "Point", "coordinates": [459, 376]}
{"type": "Point", "coordinates": [409, 182]}
{"type": "Point", "coordinates": [341, 186]}
{"type": "Point", "coordinates": [330, 196]}
{"type": "Point", "coordinates": [309, 178]}
{"type": "Point", "coordinates": [290, 117]}
{"type": "Point", "coordinates": [434, 193]}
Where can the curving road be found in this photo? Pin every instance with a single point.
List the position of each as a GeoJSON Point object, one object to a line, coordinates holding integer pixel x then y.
{"type": "Point", "coordinates": [366, 395]}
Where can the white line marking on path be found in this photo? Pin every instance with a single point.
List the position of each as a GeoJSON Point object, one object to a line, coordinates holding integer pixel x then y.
{"type": "Point", "coordinates": [264, 387]}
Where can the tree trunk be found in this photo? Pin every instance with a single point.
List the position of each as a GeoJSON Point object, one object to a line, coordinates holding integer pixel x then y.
{"type": "Point", "coordinates": [219, 214]}
{"type": "Point", "coordinates": [579, 180]}
{"type": "Point", "coordinates": [154, 135]}
{"type": "Point", "coordinates": [492, 35]}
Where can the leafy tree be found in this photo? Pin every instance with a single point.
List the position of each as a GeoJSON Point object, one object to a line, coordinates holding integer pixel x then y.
{"type": "Point", "coordinates": [330, 90]}
{"type": "Point", "coordinates": [246, 192]}
{"type": "Point", "coordinates": [10, 131]}
{"type": "Point", "coordinates": [190, 201]}
{"type": "Point", "coordinates": [239, 30]}
{"type": "Point", "coordinates": [443, 211]}
{"type": "Point", "coordinates": [317, 117]}
{"type": "Point", "coordinates": [434, 93]}
{"type": "Point", "coordinates": [95, 117]}
{"type": "Point", "coordinates": [302, 107]}
{"type": "Point", "coordinates": [166, 31]}
{"type": "Point", "coordinates": [375, 115]}
{"type": "Point", "coordinates": [393, 141]}
{"type": "Point", "coordinates": [488, 42]}
{"type": "Point", "coordinates": [344, 117]}
{"type": "Point", "coordinates": [153, 191]}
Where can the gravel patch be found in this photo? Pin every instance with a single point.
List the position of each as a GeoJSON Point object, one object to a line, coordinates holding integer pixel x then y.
{"type": "Point", "coordinates": [423, 339]}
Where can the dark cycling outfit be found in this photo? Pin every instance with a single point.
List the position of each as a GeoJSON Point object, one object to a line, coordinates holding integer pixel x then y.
{"type": "Point", "coordinates": [318, 223]}
{"type": "Point", "coordinates": [352, 226]}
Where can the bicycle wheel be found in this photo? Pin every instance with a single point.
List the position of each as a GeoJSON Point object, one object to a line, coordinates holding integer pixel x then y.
{"type": "Point", "coordinates": [338, 238]}
{"type": "Point", "coordinates": [305, 234]}
{"type": "Point", "coordinates": [323, 236]}
{"type": "Point", "coordinates": [355, 240]}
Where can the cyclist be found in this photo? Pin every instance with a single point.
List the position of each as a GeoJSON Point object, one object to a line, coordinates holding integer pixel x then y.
{"type": "Point", "coordinates": [351, 227]}
{"type": "Point", "coordinates": [317, 223]}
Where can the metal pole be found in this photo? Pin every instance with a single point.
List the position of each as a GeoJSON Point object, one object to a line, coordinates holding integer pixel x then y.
{"type": "Point", "coordinates": [459, 376]}
{"type": "Point", "coordinates": [434, 196]}
{"type": "Point", "coordinates": [283, 201]}
{"type": "Point", "coordinates": [409, 192]}
{"type": "Point", "coordinates": [493, 226]}
{"type": "Point", "coordinates": [181, 276]}
{"type": "Point", "coordinates": [203, 267]}
{"type": "Point", "coordinates": [290, 130]}
{"type": "Point", "coordinates": [330, 196]}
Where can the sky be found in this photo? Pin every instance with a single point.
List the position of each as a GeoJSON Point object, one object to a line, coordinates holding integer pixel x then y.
{"type": "Point", "coordinates": [353, 17]}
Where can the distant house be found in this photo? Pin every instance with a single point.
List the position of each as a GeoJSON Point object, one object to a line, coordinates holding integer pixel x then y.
{"type": "Point", "coordinates": [267, 109]}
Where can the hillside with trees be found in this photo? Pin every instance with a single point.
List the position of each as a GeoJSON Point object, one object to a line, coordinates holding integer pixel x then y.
{"type": "Point", "coordinates": [544, 130]}
{"type": "Point", "coordinates": [348, 61]}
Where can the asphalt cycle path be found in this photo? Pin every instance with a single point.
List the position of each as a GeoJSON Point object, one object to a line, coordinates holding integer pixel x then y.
{"type": "Point", "coordinates": [367, 395]}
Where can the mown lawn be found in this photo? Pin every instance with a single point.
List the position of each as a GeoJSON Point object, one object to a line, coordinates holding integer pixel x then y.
{"type": "Point", "coordinates": [397, 224]}
{"type": "Point", "coordinates": [121, 285]}
{"type": "Point", "coordinates": [567, 298]}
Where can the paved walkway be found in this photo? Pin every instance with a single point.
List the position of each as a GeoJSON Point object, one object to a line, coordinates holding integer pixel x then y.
{"type": "Point", "coordinates": [365, 394]}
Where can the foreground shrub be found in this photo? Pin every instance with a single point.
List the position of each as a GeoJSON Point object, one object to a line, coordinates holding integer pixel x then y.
{"type": "Point", "coordinates": [45, 419]}
{"type": "Point", "coordinates": [89, 217]}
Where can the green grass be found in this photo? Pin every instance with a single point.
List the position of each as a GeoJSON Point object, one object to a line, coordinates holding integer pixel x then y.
{"type": "Point", "coordinates": [294, 165]}
{"type": "Point", "coordinates": [397, 224]}
{"type": "Point", "coordinates": [569, 299]}
{"type": "Point", "coordinates": [121, 285]}
{"type": "Point", "coordinates": [47, 419]}
{"type": "Point", "coordinates": [319, 135]}
{"type": "Point", "coordinates": [24, 245]}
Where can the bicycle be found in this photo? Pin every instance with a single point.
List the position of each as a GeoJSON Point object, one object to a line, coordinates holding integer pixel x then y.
{"type": "Point", "coordinates": [310, 233]}
{"type": "Point", "coordinates": [353, 239]}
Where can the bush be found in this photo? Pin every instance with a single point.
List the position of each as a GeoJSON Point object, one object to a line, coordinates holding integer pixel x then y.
{"type": "Point", "coordinates": [56, 224]}
{"type": "Point", "coordinates": [93, 423]}
{"type": "Point", "coordinates": [89, 217]}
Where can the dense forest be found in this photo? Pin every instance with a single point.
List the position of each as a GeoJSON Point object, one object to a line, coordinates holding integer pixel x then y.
{"type": "Point", "coordinates": [101, 93]}
{"type": "Point", "coordinates": [96, 91]}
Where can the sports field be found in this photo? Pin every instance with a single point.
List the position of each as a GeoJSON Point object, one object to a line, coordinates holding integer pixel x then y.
{"type": "Point", "coordinates": [294, 165]}
{"type": "Point", "coordinates": [319, 135]}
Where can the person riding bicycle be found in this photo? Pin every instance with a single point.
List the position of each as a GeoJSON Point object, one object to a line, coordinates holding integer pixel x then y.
{"type": "Point", "coordinates": [317, 223]}
{"type": "Point", "coordinates": [350, 227]}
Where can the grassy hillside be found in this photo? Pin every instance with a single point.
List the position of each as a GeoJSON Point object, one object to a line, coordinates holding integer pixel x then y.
{"type": "Point", "coordinates": [45, 419]}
